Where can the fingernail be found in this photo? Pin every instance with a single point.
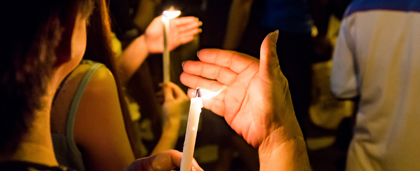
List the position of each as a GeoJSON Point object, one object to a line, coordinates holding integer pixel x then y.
{"type": "Point", "coordinates": [183, 63]}
{"type": "Point", "coordinates": [200, 30]}
{"type": "Point", "coordinates": [201, 23]}
{"type": "Point", "coordinates": [275, 36]}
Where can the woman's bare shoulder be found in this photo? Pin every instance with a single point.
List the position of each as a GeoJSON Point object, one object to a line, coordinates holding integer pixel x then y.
{"type": "Point", "coordinates": [99, 127]}
{"type": "Point", "coordinates": [102, 80]}
{"type": "Point", "coordinates": [64, 97]}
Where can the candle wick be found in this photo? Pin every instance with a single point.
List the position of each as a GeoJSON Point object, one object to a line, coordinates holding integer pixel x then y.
{"type": "Point", "coordinates": [197, 92]}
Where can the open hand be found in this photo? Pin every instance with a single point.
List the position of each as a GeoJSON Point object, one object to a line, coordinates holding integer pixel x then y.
{"type": "Point", "coordinates": [257, 101]}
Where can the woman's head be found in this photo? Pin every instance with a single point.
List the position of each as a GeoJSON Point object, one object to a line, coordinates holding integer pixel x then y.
{"type": "Point", "coordinates": [37, 38]}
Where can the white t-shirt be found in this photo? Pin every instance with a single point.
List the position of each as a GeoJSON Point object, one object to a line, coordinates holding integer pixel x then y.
{"type": "Point", "coordinates": [377, 59]}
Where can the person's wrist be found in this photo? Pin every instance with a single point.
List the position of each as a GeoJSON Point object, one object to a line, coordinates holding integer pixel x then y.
{"type": "Point", "coordinates": [286, 146]}
{"type": "Point", "coordinates": [171, 128]}
{"type": "Point", "coordinates": [172, 123]}
{"type": "Point", "coordinates": [143, 40]}
{"type": "Point", "coordinates": [277, 138]}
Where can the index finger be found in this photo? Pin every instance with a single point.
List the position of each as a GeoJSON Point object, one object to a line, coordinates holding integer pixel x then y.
{"type": "Point", "coordinates": [167, 92]}
{"type": "Point", "coordinates": [235, 61]}
{"type": "Point", "coordinates": [184, 20]}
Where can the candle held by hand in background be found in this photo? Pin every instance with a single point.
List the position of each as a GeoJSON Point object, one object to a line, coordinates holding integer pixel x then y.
{"type": "Point", "coordinates": [166, 17]}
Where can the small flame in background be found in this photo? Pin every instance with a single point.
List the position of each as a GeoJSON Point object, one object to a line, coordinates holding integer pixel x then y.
{"type": "Point", "coordinates": [171, 13]}
{"type": "Point", "coordinates": [207, 94]}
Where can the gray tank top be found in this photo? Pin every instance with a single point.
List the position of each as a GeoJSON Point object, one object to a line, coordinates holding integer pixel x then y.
{"type": "Point", "coordinates": [66, 151]}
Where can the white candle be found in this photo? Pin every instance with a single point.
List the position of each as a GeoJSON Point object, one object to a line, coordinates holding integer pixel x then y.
{"type": "Point", "coordinates": [166, 17]}
{"type": "Point", "coordinates": [192, 125]}
{"type": "Point", "coordinates": [191, 133]}
{"type": "Point", "coordinates": [166, 59]}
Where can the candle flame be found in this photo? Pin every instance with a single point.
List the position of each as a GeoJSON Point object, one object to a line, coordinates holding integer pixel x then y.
{"type": "Point", "coordinates": [207, 94]}
{"type": "Point", "coordinates": [171, 13]}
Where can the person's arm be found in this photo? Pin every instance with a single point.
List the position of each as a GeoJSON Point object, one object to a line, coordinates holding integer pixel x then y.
{"type": "Point", "coordinates": [343, 74]}
{"type": "Point", "coordinates": [237, 22]}
{"type": "Point", "coordinates": [169, 136]}
{"type": "Point", "coordinates": [99, 127]}
{"type": "Point", "coordinates": [176, 104]}
{"type": "Point", "coordinates": [132, 57]}
{"type": "Point", "coordinates": [256, 104]}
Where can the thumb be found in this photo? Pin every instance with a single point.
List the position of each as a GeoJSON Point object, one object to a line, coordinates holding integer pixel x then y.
{"type": "Point", "coordinates": [164, 161]}
{"type": "Point", "coordinates": [167, 92]}
{"type": "Point", "coordinates": [269, 63]}
{"type": "Point", "coordinates": [178, 92]}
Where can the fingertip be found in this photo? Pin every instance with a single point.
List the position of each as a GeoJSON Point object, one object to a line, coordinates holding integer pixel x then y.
{"type": "Point", "coordinates": [200, 53]}
{"type": "Point", "coordinates": [269, 62]}
{"type": "Point", "coordinates": [176, 157]}
{"type": "Point", "coordinates": [186, 63]}
{"type": "Point", "coordinates": [182, 77]}
{"type": "Point", "coordinates": [196, 166]}
{"type": "Point", "coordinates": [275, 36]}
{"type": "Point", "coordinates": [191, 93]}
{"type": "Point", "coordinates": [268, 47]}
{"type": "Point", "coordinates": [167, 160]}
{"type": "Point", "coordinates": [273, 45]}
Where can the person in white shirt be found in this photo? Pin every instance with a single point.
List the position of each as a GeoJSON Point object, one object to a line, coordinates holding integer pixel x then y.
{"type": "Point", "coordinates": [377, 62]}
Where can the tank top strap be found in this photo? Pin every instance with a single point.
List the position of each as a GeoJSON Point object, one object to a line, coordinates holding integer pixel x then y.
{"type": "Point", "coordinates": [75, 103]}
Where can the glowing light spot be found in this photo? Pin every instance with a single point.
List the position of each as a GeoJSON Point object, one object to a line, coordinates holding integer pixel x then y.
{"type": "Point", "coordinates": [171, 13]}
{"type": "Point", "coordinates": [207, 94]}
